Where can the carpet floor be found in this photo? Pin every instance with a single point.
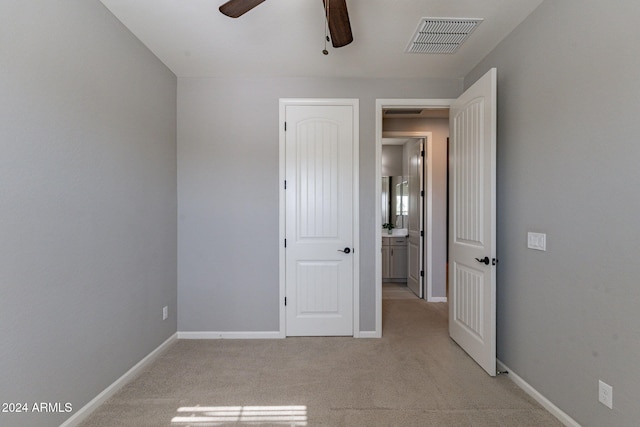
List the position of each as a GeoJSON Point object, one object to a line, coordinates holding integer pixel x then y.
{"type": "Point", "coordinates": [415, 375]}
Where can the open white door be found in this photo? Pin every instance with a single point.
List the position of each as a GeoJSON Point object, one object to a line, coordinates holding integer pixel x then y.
{"type": "Point", "coordinates": [472, 221]}
{"type": "Point", "coordinates": [320, 212]}
{"type": "Point", "coordinates": [415, 225]}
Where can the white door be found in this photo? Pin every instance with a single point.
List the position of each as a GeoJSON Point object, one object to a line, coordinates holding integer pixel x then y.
{"type": "Point", "coordinates": [415, 224]}
{"type": "Point", "coordinates": [319, 220]}
{"type": "Point", "coordinates": [472, 222]}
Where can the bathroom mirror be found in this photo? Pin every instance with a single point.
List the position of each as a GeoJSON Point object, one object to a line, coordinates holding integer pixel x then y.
{"type": "Point", "coordinates": [395, 197]}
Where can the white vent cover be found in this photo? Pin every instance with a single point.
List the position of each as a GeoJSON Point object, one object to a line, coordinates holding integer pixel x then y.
{"type": "Point", "coordinates": [441, 35]}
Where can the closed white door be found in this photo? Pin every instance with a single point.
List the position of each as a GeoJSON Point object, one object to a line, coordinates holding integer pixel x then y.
{"type": "Point", "coordinates": [472, 222]}
{"type": "Point", "coordinates": [415, 223]}
{"type": "Point", "coordinates": [319, 220]}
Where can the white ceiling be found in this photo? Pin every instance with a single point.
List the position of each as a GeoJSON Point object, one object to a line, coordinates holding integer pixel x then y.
{"type": "Point", "coordinates": [286, 37]}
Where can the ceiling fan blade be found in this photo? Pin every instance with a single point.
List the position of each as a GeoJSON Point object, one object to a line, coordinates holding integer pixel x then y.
{"type": "Point", "coordinates": [236, 8]}
{"type": "Point", "coordinates": [339, 25]}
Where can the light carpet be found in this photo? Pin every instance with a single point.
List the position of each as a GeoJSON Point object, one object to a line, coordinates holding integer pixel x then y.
{"type": "Point", "coordinates": [414, 376]}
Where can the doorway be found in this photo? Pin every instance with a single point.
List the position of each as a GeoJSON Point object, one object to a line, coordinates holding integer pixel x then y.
{"type": "Point", "coordinates": [392, 121]}
{"type": "Point", "coordinates": [472, 215]}
{"type": "Point", "coordinates": [402, 213]}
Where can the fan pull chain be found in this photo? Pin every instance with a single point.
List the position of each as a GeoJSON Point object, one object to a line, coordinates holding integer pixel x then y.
{"type": "Point", "coordinates": [326, 26]}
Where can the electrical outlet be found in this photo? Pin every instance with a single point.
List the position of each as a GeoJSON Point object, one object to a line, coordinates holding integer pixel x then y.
{"type": "Point", "coordinates": [165, 312]}
{"type": "Point", "coordinates": [605, 394]}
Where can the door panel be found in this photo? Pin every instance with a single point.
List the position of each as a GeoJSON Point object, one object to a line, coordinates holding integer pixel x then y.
{"type": "Point", "coordinates": [317, 287]}
{"type": "Point", "coordinates": [319, 220]}
{"type": "Point", "coordinates": [472, 202]}
{"type": "Point", "coordinates": [398, 265]}
{"type": "Point", "coordinates": [415, 241]}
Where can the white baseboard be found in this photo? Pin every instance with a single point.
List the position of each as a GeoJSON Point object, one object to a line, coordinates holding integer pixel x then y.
{"type": "Point", "coordinates": [209, 335]}
{"type": "Point", "coordinates": [535, 394]}
{"type": "Point", "coordinates": [87, 409]}
{"type": "Point", "coordinates": [369, 334]}
{"type": "Point", "coordinates": [437, 299]}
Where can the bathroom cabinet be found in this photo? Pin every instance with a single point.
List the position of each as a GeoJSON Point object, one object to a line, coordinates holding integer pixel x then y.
{"type": "Point", "coordinates": [394, 258]}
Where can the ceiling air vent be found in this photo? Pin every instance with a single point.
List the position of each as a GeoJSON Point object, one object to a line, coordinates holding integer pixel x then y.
{"type": "Point", "coordinates": [402, 111]}
{"type": "Point", "coordinates": [441, 35]}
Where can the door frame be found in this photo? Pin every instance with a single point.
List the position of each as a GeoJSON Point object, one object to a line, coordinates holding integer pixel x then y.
{"type": "Point", "coordinates": [283, 103]}
{"type": "Point", "coordinates": [401, 103]}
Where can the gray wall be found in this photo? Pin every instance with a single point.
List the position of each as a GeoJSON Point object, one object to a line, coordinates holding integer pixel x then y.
{"type": "Point", "coordinates": [88, 218]}
{"type": "Point", "coordinates": [228, 193]}
{"type": "Point", "coordinates": [568, 166]}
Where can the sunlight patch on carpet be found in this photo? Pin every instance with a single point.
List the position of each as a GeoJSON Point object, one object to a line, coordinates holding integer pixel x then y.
{"type": "Point", "coordinates": [248, 415]}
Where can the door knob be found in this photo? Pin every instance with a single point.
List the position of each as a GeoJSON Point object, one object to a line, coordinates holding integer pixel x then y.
{"type": "Point", "coordinates": [345, 250]}
{"type": "Point", "coordinates": [484, 260]}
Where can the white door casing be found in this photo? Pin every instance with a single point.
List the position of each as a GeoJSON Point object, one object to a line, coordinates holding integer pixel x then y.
{"type": "Point", "coordinates": [415, 227]}
{"type": "Point", "coordinates": [472, 221]}
{"type": "Point", "coordinates": [320, 217]}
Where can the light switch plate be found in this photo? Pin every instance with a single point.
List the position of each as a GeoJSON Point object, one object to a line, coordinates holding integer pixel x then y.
{"type": "Point", "coordinates": [537, 241]}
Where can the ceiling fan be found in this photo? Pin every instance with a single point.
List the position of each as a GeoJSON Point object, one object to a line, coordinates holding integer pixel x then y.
{"type": "Point", "coordinates": [336, 12]}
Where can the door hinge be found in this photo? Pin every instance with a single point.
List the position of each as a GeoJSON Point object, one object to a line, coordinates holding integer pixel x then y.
{"type": "Point", "coordinates": [285, 184]}
{"type": "Point", "coordinates": [421, 193]}
{"type": "Point", "coordinates": [421, 233]}
{"type": "Point", "coordinates": [285, 126]}
{"type": "Point", "coordinates": [285, 243]}
{"type": "Point", "coordinates": [421, 273]}
{"type": "Point", "coordinates": [422, 153]}
{"type": "Point", "coordinates": [285, 300]}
